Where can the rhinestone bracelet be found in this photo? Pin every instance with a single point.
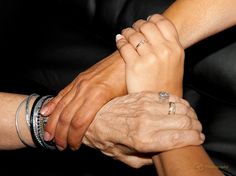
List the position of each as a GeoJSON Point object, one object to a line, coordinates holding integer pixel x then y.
{"type": "Point", "coordinates": [38, 122]}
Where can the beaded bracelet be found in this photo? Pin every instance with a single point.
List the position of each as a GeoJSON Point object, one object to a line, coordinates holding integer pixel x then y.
{"type": "Point", "coordinates": [38, 122]}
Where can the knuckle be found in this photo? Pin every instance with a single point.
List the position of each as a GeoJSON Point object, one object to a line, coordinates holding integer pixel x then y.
{"type": "Point", "coordinates": [77, 124]}
{"type": "Point", "coordinates": [183, 108]}
{"type": "Point", "coordinates": [155, 17]}
{"type": "Point", "coordinates": [63, 119]}
{"type": "Point", "coordinates": [61, 104]}
{"type": "Point", "coordinates": [152, 59]}
{"type": "Point", "coordinates": [132, 37]}
{"type": "Point", "coordinates": [166, 52]}
{"type": "Point", "coordinates": [186, 123]}
{"type": "Point", "coordinates": [145, 27]}
{"type": "Point", "coordinates": [124, 31]}
{"type": "Point", "coordinates": [175, 139]}
{"type": "Point", "coordinates": [164, 22]}
{"type": "Point", "coordinates": [83, 83]}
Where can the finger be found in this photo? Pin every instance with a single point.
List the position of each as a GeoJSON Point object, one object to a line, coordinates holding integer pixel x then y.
{"type": "Point", "coordinates": [170, 122]}
{"type": "Point", "coordinates": [137, 24]}
{"type": "Point", "coordinates": [191, 113]}
{"type": "Point", "coordinates": [53, 118]}
{"type": "Point", "coordinates": [127, 51]}
{"type": "Point", "coordinates": [172, 139]}
{"type": "Point", "coordinates": [134, 161]}
{"type": "Point", "coordinates": [137, 40]}
{"type": "Point", "coordinates": [151, 32]}
{"type": "Point", "coordinates": [81, 121]}
{"type": "Point", "coordinates": [127, 32]}
{"type": "Point", "coordinates": [64, 121]}
{"type": "Point", "coordinates": [51, 105]}
{"type": "Point", "coordinates": [181, 122]}
{"type": "Point", "coordinates": [167, 29]}
{"type": "Point", "coordinates": [171, 108]}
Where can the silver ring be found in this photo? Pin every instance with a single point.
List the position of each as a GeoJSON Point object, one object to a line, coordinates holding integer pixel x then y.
{"type": "Point", "coordinates": [140, 43]}
{"type": "Point", "coordinates": [164, 97]}
{"type": "Point", "coordinates": [172, 108]}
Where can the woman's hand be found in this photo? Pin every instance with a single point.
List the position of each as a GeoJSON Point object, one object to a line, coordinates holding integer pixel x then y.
{"type": "Point", "coordinates": [73, 109]}
{"type": "Point", "coordinates": [153, 55]}
{"type": "Point", "coordinates": [132, 127]}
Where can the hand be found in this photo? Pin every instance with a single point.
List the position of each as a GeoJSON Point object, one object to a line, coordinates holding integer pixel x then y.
{"type": "Point", "coordinates": [73, 109]}
{"type": "Point", "coordinates": [153, 55]}
{"type": "Point", "coordinates": [138, 123]}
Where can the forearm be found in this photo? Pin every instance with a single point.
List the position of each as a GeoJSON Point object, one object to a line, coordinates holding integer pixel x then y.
{"type": "Point", "coordinates": [197, 19]}
{"type": "Point", "coordinates": [192, 161]}
{"type": "Point", "coordinates": [8, 135]}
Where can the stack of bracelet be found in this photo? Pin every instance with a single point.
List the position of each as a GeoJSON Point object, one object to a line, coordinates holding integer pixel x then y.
{"type": "Point", "coordinates": [38, 122]}
{"type": "Point", "coordinates": [35, 121]}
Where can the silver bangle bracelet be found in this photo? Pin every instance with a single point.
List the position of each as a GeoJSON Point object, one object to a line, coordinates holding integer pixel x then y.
{"type": "Point", "coordinates": [38, 122]}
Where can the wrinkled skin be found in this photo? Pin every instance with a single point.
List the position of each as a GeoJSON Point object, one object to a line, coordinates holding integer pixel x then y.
{"type": "Point", "coordinates": [132, 127]}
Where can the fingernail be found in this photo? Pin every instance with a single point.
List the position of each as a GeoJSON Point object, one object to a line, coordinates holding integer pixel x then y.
{"type": "Point", "coordinates": [202, 136]}
{"type": "Point", "coordinates": [47, 136]}
{"type": "Point", "coordinates": [148, 17]}
{"type": "Point", "coordinates": [60, 148]}
{"type": "Point", "coordinates": [118, 37]}
{"type": "Point", "coordinates": [44, 110]}
{"type": "Point", "coordinates": [74, 148]}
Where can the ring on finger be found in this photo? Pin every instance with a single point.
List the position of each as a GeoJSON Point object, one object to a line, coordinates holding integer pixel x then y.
{"type": "Point", "coordinates": [140, 43]}
{"type": "Point", "coordinates": [164, 97]}
{"type": "Point", "coordinates": [172, 108]}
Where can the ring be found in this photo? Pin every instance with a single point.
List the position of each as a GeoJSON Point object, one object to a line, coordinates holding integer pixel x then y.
{"type": "Point", "coordinates": [140, 43]}
{"type": "Point", "coordinates": [172, 108]}
{"type": "Point", "coordinates": [164, 97]}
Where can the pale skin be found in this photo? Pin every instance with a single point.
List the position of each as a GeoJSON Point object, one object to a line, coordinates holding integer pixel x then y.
{"type": "Point", "coordinates": [132, 126]}
{"type": "Point", "coordinates": [126, 126]}
{"type": "Point", "coordinates": [183, 161]}
{"type": "Point", "coordinates": [206, 25]}
{"type": "Point", "coordinates": [74, 107]}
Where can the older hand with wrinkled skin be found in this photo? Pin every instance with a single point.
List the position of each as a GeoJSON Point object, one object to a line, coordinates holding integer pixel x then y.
{"type": "Point", "coordinates": [131, 127]}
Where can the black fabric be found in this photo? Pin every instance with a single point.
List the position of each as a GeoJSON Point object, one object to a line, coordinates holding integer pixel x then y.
{"type": "Point", "coordinates": [46, 44]}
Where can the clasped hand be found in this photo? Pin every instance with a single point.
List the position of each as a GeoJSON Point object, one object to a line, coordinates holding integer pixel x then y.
{"type": "Point", "coordinates": [134, 127]}
{"type": "Point", "coordinates": [129, 127]}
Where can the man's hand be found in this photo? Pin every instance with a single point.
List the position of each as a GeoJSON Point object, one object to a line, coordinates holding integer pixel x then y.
{"type": "Point", "coordinates": [72, 110]}
{"type": "Point", "coordinates": [134, 127]}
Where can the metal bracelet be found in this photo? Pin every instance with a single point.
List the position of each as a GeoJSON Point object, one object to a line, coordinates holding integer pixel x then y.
{"type": "Point", "coordinates": [17, 123]}
{"type": "Point", "coordinates": [38, 122]}
{"type": "Point", "coordinates": [27, 110]}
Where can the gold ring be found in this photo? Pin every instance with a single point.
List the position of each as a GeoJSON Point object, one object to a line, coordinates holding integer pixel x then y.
{"type": "Point", "coordinates": [172, 108]}
{"type": "Point", "coordinates": [140, 43]}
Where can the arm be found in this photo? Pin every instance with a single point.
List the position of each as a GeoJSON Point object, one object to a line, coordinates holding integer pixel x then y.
{"type": "Point", "coordinates": [105, 80]}
{"type": "Point", "coordinates": [196, 20]}
{"type": "Point", "coordinates": [149, 63]}
{"type": "Point", "coordinates": [9, 139]}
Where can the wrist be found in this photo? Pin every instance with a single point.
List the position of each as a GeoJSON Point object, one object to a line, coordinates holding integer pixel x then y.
{"type": "Point", "coordinates": [116, 81]}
